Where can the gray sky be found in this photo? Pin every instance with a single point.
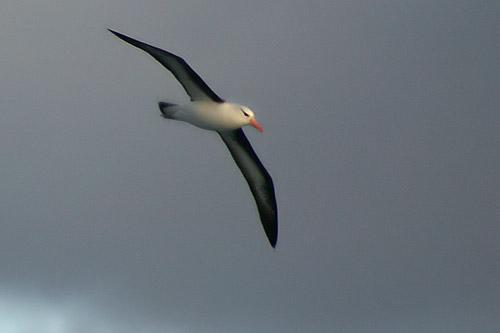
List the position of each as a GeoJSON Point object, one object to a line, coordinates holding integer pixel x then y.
{"type": "Point", "coordinates": [382, 136]}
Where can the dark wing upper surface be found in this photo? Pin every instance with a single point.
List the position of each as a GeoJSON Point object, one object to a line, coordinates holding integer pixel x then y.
{"type": "Point", "coordinates": [258, 179]}
{"type": "Point", "coordinates": [195, 87]}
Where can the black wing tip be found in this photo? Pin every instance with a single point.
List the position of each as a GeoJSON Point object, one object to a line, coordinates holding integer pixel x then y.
{"type": "Point", "coordinates": [122, 36]}
{"type": "Point", "coordinates": [273, 243]}
{"type": "Point", "coordinates": [131, 41]}
{"type": "Point", "coordinates": [272, 235]}
{"type": "Point", "coordinates": [115, 33]}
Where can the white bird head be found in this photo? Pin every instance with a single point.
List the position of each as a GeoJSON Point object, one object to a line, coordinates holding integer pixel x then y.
{"type": "Point", "coordinates": [248, 118]}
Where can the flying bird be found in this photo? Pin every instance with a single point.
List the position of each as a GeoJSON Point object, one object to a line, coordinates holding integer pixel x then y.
{"type": "Point", "coordinates": [208, 111]}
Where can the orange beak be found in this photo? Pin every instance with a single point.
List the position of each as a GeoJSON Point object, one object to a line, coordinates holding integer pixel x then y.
{"type": "Point", "coordinates": [257, 125]}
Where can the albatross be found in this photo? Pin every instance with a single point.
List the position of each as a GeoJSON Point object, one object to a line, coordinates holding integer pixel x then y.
{"type": "Point", "coordinates": [208, 111]}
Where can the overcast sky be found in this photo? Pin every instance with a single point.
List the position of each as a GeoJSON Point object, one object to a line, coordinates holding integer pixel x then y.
{"type": "Point", "coordinates": [382, 136]}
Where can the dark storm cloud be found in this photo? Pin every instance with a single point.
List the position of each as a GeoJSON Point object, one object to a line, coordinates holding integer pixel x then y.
{"type": "Point", "coordinates": [382, 137]}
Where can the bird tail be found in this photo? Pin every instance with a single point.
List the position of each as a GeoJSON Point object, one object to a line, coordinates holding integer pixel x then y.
{"type": "Point", "coordinates": [167, 109]}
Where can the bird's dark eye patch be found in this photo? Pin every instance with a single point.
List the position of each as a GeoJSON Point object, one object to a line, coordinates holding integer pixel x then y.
{"type": "Point", "coordinates": [246, 114]}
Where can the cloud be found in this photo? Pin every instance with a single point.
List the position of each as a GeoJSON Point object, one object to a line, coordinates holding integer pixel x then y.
{"type": "Point", "coordinates": [22, 314]}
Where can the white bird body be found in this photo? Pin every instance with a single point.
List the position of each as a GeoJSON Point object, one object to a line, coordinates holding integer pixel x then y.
{"type": "Point", "coordinates": [210, 115]}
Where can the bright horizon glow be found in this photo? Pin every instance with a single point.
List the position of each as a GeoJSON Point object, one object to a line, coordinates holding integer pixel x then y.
{"type": "Point", "coordinates": [20, 314]}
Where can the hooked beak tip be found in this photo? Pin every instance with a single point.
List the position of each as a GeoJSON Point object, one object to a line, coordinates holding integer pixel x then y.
{"type": "Point", "coordinates": [257, 125]}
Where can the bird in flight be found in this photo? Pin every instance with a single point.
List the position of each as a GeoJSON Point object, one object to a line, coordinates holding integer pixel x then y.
{"type": "Point", "coordinates": [208, 111]}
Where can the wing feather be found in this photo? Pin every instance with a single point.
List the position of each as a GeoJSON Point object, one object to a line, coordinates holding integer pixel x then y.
{"type": "Point", "coordinates": [194, 85]}
{"type": "Point", "coordinates": [258, 179]}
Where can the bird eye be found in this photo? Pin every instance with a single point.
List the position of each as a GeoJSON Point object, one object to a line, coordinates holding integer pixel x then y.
{"type": "Point", "coordinates": [246, 114]}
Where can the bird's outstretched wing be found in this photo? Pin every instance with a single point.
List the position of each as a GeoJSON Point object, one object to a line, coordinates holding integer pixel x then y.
{"type": "Point", "coordinates": [195, 87]}
{"type": "Point", "coordinates": [258, 179]}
